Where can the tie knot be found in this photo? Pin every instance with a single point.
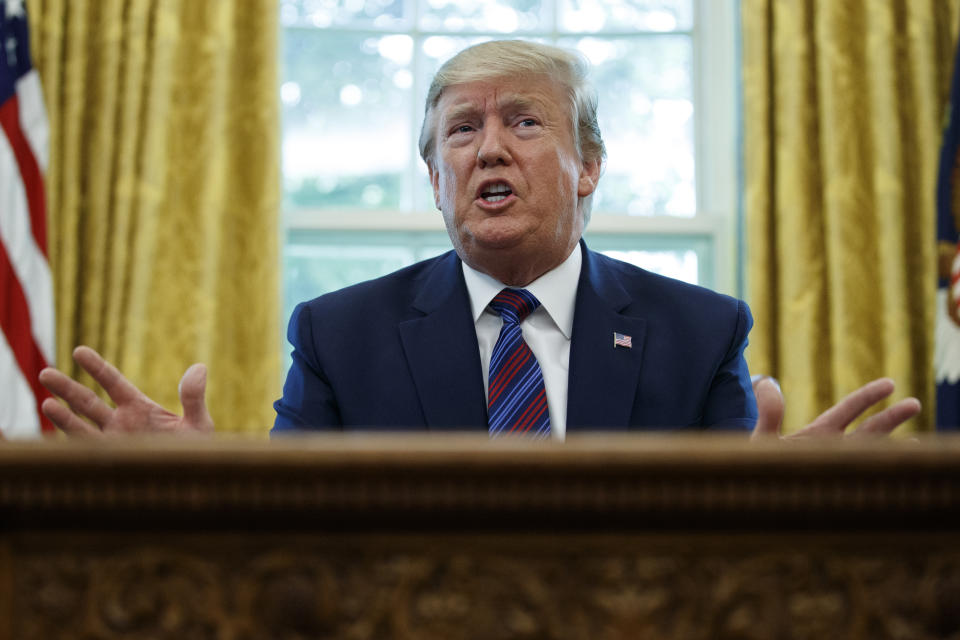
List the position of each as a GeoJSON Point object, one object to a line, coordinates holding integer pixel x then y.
{"type": "Point", "coordinates": [514, 305]}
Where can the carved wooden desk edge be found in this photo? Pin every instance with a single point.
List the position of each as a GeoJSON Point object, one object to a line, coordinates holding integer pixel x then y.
{"type": "Point", "coordinates": [651, 481]}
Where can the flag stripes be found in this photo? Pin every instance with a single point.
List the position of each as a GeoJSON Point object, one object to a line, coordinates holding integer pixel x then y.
{"type": "Point", "coordinates": [20, 229]}
{"type": "Point", "coordinates": [29, 170]}
{"type": "Point", "coordinates": [26, 286]}
{"type": "Point", "coordinates": [14, 323]}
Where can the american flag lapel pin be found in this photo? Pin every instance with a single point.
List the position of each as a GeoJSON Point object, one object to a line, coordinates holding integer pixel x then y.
{"type": "Point", "coordinates": [621, 340]}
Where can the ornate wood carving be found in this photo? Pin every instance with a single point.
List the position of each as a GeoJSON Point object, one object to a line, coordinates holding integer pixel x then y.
{"type": "Point", "coordinates": [342, 590]}
{"type": "Point", "coordinates": [605, 539]}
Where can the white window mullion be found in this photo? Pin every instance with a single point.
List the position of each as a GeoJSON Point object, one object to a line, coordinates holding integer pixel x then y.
{"type": "Point", "coordinates": [715, 87]}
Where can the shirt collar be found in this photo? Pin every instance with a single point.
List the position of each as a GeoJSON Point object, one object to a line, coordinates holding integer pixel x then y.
{"type": "Point", "coordinates": [556, 290]}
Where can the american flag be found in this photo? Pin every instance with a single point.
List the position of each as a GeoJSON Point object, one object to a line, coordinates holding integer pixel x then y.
{"type": "Point", "coordinates": [26, 289]}
{"type": "Point", "coordinates": [946, 356]}
{"type": "Point", "coordinates": [620, 340]}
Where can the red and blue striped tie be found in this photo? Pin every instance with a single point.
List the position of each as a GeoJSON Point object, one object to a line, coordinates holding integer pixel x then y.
{"type": "Point", "coordinates": [516, 398]}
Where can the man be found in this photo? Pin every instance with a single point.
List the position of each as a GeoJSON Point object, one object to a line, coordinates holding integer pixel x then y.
{"type": "Point", "coordinates": [521, 329]}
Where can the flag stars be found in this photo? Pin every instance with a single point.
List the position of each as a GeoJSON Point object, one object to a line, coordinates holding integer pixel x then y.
{"type": "Point", "coordinates": [14, 9]}
{"type": "Point", "coordinates": [11, 45]}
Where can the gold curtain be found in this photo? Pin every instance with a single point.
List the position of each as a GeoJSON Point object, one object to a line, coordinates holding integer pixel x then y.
{"type": "Point", "coordinates": [843, 106]}
{"type": "Point", "coordinates": [163, 192]}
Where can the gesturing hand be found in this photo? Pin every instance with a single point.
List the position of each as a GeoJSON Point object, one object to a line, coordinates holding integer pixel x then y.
{"type": "Point", "coordinates": [835, 420]}
{"type": "Point", "coordinates": [134, 413]}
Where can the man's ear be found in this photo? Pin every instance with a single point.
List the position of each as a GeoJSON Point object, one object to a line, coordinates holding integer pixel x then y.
{"type": "Point", "coordinates": [435, 183]}
{"type": "Point", "coordinates": [589, 176]}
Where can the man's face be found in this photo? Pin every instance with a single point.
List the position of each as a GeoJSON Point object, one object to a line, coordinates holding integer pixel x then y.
{"type": "Point", "coordinates": [507, 176]}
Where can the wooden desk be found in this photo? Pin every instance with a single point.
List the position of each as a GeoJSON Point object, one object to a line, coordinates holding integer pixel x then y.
{"type": "Point", "coordinates": [453, 538]}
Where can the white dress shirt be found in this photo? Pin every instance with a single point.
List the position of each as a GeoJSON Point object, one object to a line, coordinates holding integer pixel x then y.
{"type": "Point", "coordinates": [546, 331]}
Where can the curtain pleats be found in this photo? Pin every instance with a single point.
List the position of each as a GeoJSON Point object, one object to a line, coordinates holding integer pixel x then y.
{"type": "Point", "coordinates": [843, 108]}
{"type": "Point", "coordinates": [164, 192]}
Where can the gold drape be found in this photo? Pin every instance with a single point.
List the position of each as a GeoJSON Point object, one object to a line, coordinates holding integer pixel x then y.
{"type": "Point", "coordinates": [843, 105]}
{"type": "Point", "coordinates": [163, 192]}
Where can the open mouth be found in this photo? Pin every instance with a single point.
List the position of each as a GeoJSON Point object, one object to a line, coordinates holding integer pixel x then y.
{"type": "Point", "coordinates": [495, 192]}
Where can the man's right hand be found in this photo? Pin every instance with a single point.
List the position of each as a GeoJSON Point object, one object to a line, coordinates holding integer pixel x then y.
{"type": "Point", "coordinates": [134, 413]}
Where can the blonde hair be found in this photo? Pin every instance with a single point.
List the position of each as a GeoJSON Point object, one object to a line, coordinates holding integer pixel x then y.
{"type": "Point", "coordinates": [511, 58]}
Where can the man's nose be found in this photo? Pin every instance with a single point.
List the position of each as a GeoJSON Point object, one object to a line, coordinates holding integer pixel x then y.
{"type": "Point", "coordinates": [493, 149]}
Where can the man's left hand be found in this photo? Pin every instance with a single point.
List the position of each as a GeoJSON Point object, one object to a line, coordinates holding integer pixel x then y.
{"type": "Point", "coordinates": [834, 421]}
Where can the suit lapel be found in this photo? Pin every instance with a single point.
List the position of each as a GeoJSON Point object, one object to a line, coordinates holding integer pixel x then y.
{"type": "Point", "coordinates": [603, 379]}
{"type": "Point", "coordinates": [442, 352]}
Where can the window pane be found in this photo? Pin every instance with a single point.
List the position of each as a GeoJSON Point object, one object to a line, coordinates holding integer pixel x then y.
{"type": "Point", "coordinates": [315, 263]}
{"type": "Point", "coordinates": [684, 257]}
{"type": "Point", "coordinates": [347, 101]}
{"type": "Point", "coordinates": [314, 269]}
{"type": "Point", "coordinates": [645, 92]}
{"type": "Point", "coordinates": [499, 16]}
{"type": "Point", "coordinates": [581, 16]}
{"type": "Point", "coordinates": [382, 14]}
{"type": "Point", "coordinates": [682, 265]}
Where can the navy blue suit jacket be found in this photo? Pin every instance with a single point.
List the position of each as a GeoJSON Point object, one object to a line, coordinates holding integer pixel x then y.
{"type": "Point", "coordinates": [400, 352]}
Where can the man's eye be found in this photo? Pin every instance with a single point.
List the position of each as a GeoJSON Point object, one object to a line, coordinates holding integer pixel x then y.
{"type": "Point", "coordinates": [463, 128]}
{"type": "Point", "coordinates": [528, 122]}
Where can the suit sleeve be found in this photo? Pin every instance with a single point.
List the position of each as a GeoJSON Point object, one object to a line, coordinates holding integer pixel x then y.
{"type": "Point", "coordinates": [308, 401]}
{"type": "Point", "coordinates": [730, 401]}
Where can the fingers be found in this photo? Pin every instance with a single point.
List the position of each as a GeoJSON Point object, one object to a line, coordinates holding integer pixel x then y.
{"type": "Point", "coordinates": [770, 407]}
{"type": "Point", "coordinates": [66, 420]}
{"type": "Point", "coordinates": [107, 376]}
{"type": "Point", "coordinates": [836, 419]}
{"type": "Point", "coordinates": [889, 419]}
{"type": "Point", "coordinates": [81, 399]}
{"type": "Point", "coordinates": [192, 388]}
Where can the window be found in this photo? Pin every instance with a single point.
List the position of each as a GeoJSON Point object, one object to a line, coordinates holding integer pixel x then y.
{"type": "Point", "coordinates": [357, 202]}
